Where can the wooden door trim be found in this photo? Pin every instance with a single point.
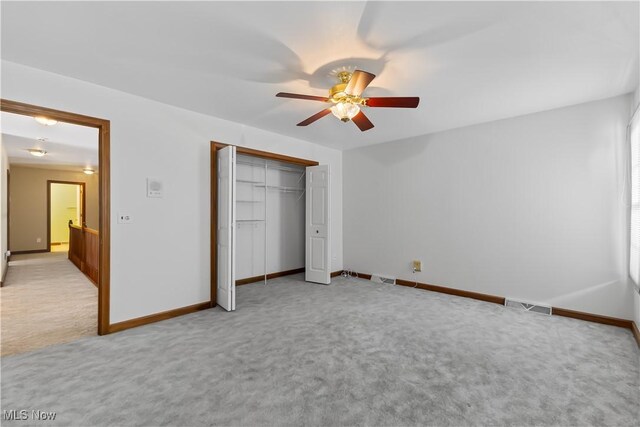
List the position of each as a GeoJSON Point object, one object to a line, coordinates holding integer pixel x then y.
{"type": "Point", "coordinates": [267, 155]}
{"type": "Point", "coordinates": [83, 207]}
{"type": "Point", "coordinates": [5, 261]}
{"type": "Point", "coordinates": [8, 213]}
{"type": "Point", "coordinates": [104, 178]}
{"type": "Point", "coordinates": [215, 146]}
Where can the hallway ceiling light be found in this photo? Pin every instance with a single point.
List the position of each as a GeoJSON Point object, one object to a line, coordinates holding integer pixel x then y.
{"type": "Point", "coordinates": [45, 121]}
{"type": "Point", "coordinates": [88, 171]}
{"type": "Point", "coordinates": [36, 152]}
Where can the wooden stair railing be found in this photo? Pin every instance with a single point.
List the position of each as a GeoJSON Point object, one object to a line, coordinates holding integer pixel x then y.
{"type": "Point", "coordinates": [83, 251]}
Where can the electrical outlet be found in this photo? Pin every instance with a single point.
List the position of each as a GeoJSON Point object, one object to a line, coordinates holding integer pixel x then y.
{"type": "Point", "coordinates": [125, 219]}
{"type": "Point", "coordinates": [417, 265]}
{"type": "Point", "coordinates": [39, 240]}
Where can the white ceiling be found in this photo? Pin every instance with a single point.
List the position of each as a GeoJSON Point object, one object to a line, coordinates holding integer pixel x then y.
{"type": "Point", "coordinates": [65, 144]}
{"type": "Point", "coordinates": [470, 62]}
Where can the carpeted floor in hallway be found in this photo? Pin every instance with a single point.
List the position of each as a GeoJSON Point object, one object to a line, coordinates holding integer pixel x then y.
{"type": "Point", "coordinates": [351, 353]}
{"type": "Point", "coordinates": [46, 300]}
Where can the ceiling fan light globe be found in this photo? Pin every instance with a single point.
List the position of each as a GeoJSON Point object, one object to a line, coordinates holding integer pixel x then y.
{"type": "Point", "coordinates": [345, 111]}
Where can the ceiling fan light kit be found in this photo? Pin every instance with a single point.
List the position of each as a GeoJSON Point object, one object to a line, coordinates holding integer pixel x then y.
{"type": "Point", "coordinates": [348, 102]}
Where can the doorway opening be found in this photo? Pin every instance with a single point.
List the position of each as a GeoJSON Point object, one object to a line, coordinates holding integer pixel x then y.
{"type": "Point", "coordinates": [262, 225]}
{"type": "Point", "coordinates": [66, 209]}
{"type": "Point", "coordinates": [70, 216]}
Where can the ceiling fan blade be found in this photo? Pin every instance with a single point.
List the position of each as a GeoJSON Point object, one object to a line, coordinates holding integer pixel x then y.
{"type": "Point", "coordinates": [298, 96]}
{"type": "Point", "coordinates": [394, 102]}
{"type": "Point", "coordinates": [315, 117]}
{"type": "Point", "coordinates": [359, 82]}
{"type": "Point", "coordinates": [362, 121]}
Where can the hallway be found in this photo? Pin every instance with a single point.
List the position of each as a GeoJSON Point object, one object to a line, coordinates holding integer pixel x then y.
{"type": "Point", "coordinates": [46, 300]}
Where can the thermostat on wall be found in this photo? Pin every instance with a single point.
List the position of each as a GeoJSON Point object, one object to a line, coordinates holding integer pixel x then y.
{"type": "Point", "coordinates": [154, 187]}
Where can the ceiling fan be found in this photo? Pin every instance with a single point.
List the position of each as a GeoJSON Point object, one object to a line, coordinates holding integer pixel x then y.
{"type": "Point", "coordinates": [347, 100]}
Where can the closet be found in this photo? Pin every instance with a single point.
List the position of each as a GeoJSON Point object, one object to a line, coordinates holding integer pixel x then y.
{"type": "Point", "coordinates": [270, 218]}
{"type": "Point", "coordinates": [270, 207]}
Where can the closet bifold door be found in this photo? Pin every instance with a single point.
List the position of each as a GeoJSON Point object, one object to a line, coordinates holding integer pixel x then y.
{"type": "Point", "coordinates": [226, 295]}
{"type": "Point", "coordinates": [317, 225]}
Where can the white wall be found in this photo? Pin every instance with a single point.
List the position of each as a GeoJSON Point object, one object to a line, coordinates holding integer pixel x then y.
{"type": "Point", "coordinates": [530, 207]}
{"type": "Point", "coordinates": [635, 103]}
{"type": "Point", "coordinates": [161, 261]}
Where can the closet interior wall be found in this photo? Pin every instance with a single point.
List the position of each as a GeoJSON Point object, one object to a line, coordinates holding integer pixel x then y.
{"type": "Point", "coordinates": [270, 208]}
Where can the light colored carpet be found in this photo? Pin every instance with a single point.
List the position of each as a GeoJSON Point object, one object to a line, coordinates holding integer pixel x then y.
{"type": "Point", "coordinates": [352, 353]}
{"type": "Point", "coordinates": [46, 300]}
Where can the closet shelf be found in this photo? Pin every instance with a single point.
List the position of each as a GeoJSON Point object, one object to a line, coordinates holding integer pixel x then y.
{"type": "Point", "coordinates": [250, 201]}
{"type": "Point", "coordinates": [249, 220]}
{"type": "Point", "coordinates": [248, 181]}
{"type": "Point", "coordinates": [270, 165]}
{"type": "Point", "coordinates": [281, 188]}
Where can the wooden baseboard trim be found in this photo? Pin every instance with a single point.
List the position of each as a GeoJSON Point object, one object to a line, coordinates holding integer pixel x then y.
{"type": "Point", "coordinates": [269, 276]}
{"type": "Point", "coordinates": [157, 317]}
{"type": "Point", "coordinates": [58, 243]}
{"type": "Point", "coordinates": [589, 317]}
{"type": "Point", "coordinates": [636, 332]}
{"type": "Point", "coordinates": [452, 291]}
{"type": "Point", "coordinates": [32, 251]}
{"type": "Point", "coordinates": [336, 273]}
{"type": "Point", "coordinates": [443, 289]}
{"type": "Point", "coordinates": [556, 311]}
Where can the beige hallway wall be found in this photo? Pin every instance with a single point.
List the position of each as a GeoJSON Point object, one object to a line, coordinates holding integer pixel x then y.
{"type": "Point", "coordinates": [28, 209]}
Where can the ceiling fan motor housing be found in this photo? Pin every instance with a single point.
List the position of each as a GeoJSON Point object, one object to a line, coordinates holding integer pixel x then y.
{"type": "Point", "coordinates": [337, 92]}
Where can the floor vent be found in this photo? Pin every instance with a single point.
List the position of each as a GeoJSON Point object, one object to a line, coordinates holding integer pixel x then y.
{"type": "Point", "coordinates": [383, 279]}
{"type": "Point", "coordinates": [543, 309]}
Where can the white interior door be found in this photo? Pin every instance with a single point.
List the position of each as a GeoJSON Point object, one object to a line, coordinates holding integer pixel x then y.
{"type": "Point", "coordinates": [318, 231]}
{"type": "Point", "coordinates": [226, 295]}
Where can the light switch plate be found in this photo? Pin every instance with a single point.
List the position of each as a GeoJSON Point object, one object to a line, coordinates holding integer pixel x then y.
{"type": "Point", "coordinates": [125, 219]}
{"type": "Point", "coordinates": [154, 188]}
